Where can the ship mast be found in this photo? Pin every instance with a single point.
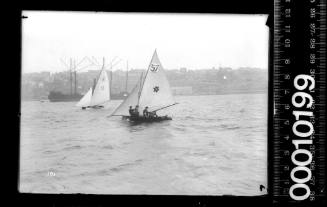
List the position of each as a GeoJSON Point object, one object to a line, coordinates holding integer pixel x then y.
{"type": "Point", "coordinates": [70, 77]}
{"type": "Point", "coordinates": [75, 78]}
{"type": "Point", "coordinates": [126, 78]}
{"type": "Point", "coordinates": [73, 68]}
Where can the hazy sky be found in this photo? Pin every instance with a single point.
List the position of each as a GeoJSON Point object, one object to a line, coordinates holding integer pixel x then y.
{"type": "Point", "coordinates": [194, 41]}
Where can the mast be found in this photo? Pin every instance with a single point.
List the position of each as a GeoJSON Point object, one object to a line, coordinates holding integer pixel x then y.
{"type": "Point", "coordinates": [110, 85]}
{"type": "Point", "coordinates": [111, 74]}
{"type": "Point", "coordinates": [126, 78]}
{"type": "Point", "coordinates": [94, 84]}
{"type": "Point", "coordinates": [70, 77]}
{"type": "Point", "coordinates": [75, 74]}
{"type": "Point", "coordinates": [140, 90]}
{"type": "Point", "coordinates": [73, 68]}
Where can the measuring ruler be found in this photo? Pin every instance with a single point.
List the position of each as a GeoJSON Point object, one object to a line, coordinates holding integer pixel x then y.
{"type": "Point", "coordinates": [298, 148]}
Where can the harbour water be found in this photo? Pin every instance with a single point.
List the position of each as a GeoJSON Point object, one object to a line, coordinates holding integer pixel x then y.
{"type": "Point", "coordinates": [215, 145]}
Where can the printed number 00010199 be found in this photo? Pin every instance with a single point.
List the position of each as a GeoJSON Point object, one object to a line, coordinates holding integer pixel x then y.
{"type": "Point", "coordinates": [306, 102]}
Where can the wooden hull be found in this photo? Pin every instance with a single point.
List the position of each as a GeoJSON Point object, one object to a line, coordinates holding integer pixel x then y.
{"type": "Point", "coordinates": [141, 119]}
{"type": "Point", "coordinates": [93, 107]}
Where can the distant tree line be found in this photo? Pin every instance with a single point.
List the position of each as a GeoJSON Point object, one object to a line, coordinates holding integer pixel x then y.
{"type": "Point", "coordinates": [37, 86]}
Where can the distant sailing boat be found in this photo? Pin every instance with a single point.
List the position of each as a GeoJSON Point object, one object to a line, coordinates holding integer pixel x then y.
{"type": "Point", "coordinates": [153, 92]}
{"type": "Point", "coordinates": [97, 95]}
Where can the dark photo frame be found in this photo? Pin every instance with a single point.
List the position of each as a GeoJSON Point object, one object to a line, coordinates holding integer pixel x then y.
{"type": "Point", "coordinates": [238, 7]}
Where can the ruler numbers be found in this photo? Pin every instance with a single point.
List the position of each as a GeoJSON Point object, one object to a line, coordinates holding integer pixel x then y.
{"type": "Point", "coordinates": [299, 88]}
{"type": "Point", "coordinates": [282, 43]}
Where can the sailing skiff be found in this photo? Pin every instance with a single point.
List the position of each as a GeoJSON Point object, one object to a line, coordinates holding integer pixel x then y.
{"type": "Point", "coordinates": [152, 91]}
{"type": "Point", "coordinates": [97, 95]}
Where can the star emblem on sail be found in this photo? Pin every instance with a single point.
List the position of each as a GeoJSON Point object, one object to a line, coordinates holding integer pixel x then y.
{"type": "Point", "coordinates": [156, 89]}
{"type": "Point", "coordinates": [145, 92]}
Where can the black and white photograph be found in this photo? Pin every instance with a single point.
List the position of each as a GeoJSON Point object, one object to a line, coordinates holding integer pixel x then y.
{"type": "Point", "coordinates": [119, 103]}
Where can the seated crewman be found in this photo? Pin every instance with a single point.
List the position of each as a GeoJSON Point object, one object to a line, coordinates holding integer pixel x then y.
{"type": "Point", "coordinates": [131, 110]}
{"type": "Point", "coordinates": [145, 112]}
{"type": "Point", "coordinates": [136, 110]}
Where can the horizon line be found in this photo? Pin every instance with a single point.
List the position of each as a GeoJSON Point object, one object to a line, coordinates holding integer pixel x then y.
{"type": "Point", "coordinates": [124, 70]}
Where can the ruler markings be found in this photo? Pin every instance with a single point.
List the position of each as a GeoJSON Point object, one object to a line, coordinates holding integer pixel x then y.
{"type": "Point", "coordinates": [283, 89]}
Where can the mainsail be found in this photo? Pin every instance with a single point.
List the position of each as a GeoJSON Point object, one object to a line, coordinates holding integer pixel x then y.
{"type": "Point", "coordinates": [101, 92]}
{"type": "Point", "coordinates": [154, 91]}
{"type": "Point", "coordinates": [86, 99]}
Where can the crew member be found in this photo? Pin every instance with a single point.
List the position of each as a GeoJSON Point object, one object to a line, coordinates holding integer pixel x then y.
{"type": "Point", "coordinates": [136, 110]}
{"type": "Point", "coordinates": [131, 110]}
{"type": "Point", "coordinates": [145, 112]}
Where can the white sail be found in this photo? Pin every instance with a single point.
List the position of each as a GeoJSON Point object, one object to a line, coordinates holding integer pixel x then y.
{"type": "Point", "coordinates": [86, 99]}
{"type": "Point", "coordinates": [155, 92]}
{"type": "Point", "coordinates": [131, 100]}
{"type": "Point", "coordinates": [101, 93]}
